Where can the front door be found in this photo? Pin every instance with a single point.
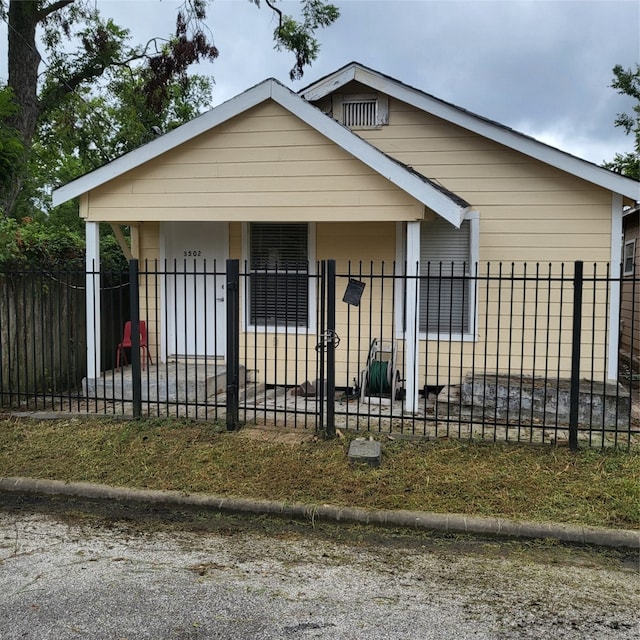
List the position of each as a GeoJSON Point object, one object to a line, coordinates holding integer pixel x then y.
{"type": "Point", "coordinates": [195, 309]}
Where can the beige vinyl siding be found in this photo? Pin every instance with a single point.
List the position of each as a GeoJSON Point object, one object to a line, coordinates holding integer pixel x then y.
{"type": "Point", "coordinates": [265, 164]}
{"type": "Point", "coordinates": [360, 249]}
{"type": "Point", "coordinates": [353, 243]}
{"type": "Point", "coordinates": [146, 242]}
{"type": "Point", "coordinates": [350, 244]}
{"type": "Point", "coordinates": [529, 211]}
{"type": "Point", "coordinates": [525, 329]}
{"type": "Point", "coordinates": [235, 242]}
{"type": "Point", "coordinates": [508, 333]}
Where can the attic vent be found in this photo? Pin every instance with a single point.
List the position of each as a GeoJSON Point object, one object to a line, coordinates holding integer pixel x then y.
{"type": "Point", "coordinates": [360, 113]}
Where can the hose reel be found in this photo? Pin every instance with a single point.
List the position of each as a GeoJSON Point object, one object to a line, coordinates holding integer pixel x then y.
{"type": "Point", "coordinates": [380, 377]}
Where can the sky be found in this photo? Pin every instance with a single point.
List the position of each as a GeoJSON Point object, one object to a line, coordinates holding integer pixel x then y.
{"type": "Point", "coordinates": [542, 67]}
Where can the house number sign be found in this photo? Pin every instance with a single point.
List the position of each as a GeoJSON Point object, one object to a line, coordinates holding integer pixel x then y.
{"type": "Point", "coordinates": [192, 254]}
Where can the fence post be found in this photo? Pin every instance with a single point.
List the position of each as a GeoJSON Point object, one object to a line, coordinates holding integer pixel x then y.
{"type": "Point", "coordinates": [321, 387]}
{"type": "Point", "coordinates": [136, 372]}
{"type": "Point", "coordinates": [331, 348]}
{"type": "Point", "coordinates": [233, 342]}
{"type": "Point", "coordinates": [575, 354]}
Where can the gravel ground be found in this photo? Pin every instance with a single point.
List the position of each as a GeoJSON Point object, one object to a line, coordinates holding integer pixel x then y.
{"type": "Point", "coordinates": [85, 579]}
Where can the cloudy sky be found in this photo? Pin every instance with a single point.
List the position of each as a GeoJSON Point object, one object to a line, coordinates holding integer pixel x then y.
{"type": "Point", "coordinates": [542, 67]}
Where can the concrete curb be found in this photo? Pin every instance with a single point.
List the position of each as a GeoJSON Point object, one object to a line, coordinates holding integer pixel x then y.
{"type": "Point", "coordinates": [448, 523]}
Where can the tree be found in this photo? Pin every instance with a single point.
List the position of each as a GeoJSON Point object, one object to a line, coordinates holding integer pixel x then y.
{"type": "Point", "coordinates": [11, 148]}
{"type": "Point", "coordinates": [627, 82]}
{"type": "Point", "coordinates": [103, 46]}
{"type": "Point", "coordinates": [89, 128]}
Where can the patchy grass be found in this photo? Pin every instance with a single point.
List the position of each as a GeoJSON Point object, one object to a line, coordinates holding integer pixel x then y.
{"type": "Point", "coordinates": [591, 487]}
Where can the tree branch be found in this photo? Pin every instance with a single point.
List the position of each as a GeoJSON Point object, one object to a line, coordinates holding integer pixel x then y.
{"type": "Point", "coordinates": [52, 8]}
{"type": "Point", "coordinates": [275, 10]}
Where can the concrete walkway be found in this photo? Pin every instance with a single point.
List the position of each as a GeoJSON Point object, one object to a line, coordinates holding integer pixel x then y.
{"type": "Point", "coordinates": [445, 523]}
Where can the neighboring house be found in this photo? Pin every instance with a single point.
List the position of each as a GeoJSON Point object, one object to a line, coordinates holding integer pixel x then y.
{"type": "Point", "coordinates": [630, 307]}
{"type": "Point", "coordinates": [357, 167]}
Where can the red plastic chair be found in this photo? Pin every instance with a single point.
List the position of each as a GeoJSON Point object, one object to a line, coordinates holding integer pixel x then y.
{"type": "Point", "coordinates": [126, 343]}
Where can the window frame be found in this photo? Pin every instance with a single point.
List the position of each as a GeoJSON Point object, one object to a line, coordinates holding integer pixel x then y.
{"type": "Point", "coordinates": [474, 249]}
{"type": "Point", "coordinates": [310, 326]}
{"type": "Point", "coordinates": [625, 257]}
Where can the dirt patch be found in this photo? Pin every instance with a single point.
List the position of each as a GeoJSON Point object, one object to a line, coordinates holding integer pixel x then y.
{"type": "Point", "coordinates": [278, 435]}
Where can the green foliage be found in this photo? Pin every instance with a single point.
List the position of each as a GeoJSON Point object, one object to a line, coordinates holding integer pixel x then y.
{"type": "Point", "coordinates": [35, 245]}
{"type": "Point", "coordinates": [102, 46]}
{"type": "Point", "coordinates": [10, 252]}
{"type": "Point", "coordinates": [85, 130]}
{"type": "Point", "coordinates": [11, 147]}
{"type": "Point", "coordinates": [299, 36]}
{"type": "Point", "coordinates": [91, 127]}
{"type": "Point", "coordinates": [102, 96]}
{"type": "Point", "coordinates": [43, 245]}
{"type": "Point", "coordinates": [627, 82]}
{"type": "Point", "coordinates": [111, 256]}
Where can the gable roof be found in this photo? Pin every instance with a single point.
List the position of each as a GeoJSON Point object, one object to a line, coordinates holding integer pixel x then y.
{"type": "Point", "coordinates": [495, 131]}
{"type": "Point", "coordinates": [445, 203]}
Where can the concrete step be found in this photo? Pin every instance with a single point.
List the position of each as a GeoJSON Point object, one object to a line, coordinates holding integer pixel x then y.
{"type": "Point", "coordinates": [168, 382]}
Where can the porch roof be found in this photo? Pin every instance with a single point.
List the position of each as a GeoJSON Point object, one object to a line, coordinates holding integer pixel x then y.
{"type": "Point", "coordinates": [435, 197]}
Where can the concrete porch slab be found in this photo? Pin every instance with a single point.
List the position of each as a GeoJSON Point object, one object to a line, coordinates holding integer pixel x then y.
{"type": "Point", "coordinates": [187, 382]}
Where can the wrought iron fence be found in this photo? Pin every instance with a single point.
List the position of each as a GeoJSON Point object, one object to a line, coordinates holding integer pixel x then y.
{"type": "Point", "coordinates": [526, 353]}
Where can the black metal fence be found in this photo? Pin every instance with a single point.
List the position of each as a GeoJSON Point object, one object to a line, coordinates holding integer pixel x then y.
{"type": "Point", "coordinates": [495, 352]}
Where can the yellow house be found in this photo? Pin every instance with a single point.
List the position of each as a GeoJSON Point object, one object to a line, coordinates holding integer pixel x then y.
{"type": "Point", "coordinates": [360, 168]}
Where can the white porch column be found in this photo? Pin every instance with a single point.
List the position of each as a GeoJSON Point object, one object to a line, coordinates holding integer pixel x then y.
{"type": "Point", "coordinates": [92, 237]}
{"type": "Point", "coordinates": [412, 308]}
{"type": "Point", "coordinates": [614, 304]}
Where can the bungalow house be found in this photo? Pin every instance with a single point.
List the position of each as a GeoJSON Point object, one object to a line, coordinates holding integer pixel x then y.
{"type": "Point", "coordinates": [361, 168]}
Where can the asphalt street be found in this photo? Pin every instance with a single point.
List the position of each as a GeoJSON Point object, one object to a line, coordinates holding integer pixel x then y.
{"type": "Point", "coordinates": [69, 579]}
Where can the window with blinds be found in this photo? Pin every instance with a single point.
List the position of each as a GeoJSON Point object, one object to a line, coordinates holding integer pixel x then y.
{"type": "Point", "coordinates": [279, 278]}
{"type": "Point", "coordinates": [445, 260]}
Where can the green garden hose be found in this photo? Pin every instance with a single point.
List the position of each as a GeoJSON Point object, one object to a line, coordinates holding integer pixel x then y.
{"type": "Point", "coordinates": [378, 380]}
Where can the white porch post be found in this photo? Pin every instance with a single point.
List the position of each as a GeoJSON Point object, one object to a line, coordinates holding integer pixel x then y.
{"type": "Point", "coordinates": [92, 237]}
{"type": "Point", "coordinates": [412, 308]}
{"type": "Point", "coordinates": [614, 304]}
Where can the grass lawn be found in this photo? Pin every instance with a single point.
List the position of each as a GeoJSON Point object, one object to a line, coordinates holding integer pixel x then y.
{"type": "Point", "coordinates": [522, 482]}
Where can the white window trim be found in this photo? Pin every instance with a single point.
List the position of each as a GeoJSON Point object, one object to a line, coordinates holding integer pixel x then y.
{"type": "Point", "coordinates": [632, 244]}
{"type": "Point", "coordinates": [311, 305]}
{"type": "Point", "coordinates": [401, 255]}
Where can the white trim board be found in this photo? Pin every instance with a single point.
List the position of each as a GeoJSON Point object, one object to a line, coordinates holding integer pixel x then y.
{"type": "Point", "coordinates": [614, 304]}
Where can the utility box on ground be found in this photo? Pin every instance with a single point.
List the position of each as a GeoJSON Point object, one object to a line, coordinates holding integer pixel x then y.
{"type": "Point", "coordinates": [365, 451]}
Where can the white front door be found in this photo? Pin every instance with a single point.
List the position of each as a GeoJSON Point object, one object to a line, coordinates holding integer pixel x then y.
{"type": "Point", "coordinates": [195, 310]}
